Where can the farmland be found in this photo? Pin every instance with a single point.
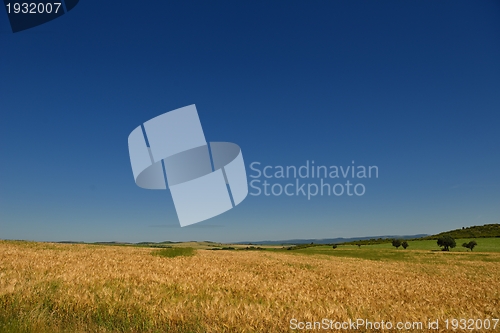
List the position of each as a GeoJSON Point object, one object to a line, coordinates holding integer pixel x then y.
{"type": "Point", "coordinates": [47, 287]}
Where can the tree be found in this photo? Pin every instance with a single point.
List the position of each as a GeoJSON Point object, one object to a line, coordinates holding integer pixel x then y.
{"type": "Point", "coordinates": [359, 245]}
{"type": "Point", "coordinates": [396, 243]}
{"type": "Point", "coordinates": [334, 246]}
{"type": "Point", "coordinates": [446, 242]}
{"type": "Point", "coordinates": [405, 245]}
{"type": "Point", "coordinates": [470, 245]}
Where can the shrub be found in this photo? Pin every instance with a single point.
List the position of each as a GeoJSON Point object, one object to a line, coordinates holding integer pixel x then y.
{"type": "Point", "coordinates": [405, 245]}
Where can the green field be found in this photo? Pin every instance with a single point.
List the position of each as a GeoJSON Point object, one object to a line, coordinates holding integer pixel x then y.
{"type": "Point", "coordinates": [174, 252]}
{"type": "Point", "coordinates": [488, 249]}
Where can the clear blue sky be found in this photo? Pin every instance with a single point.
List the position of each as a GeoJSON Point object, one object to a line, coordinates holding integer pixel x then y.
{"type": "Point", "coordinates": [410, 86]}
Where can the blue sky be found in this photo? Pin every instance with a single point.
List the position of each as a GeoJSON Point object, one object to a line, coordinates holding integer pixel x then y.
{"type": "Point", "coordinates": [412, 87]}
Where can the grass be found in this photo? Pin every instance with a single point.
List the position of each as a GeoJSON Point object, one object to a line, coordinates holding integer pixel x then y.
{"type": "Point", "coordinates": [93, 288]}
{"type": "Point", "coordinates": [488, 249]}
{"type": "Point", "coordinates": [484, 245]}
{"type": "Point", "coordinates": [174, 252]}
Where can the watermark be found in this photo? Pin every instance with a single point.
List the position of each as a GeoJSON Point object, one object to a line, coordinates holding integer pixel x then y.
{"type": "Point", "coordinates": [357, 324]}
{"type": "Point", "coordinates": [205, 180]}
{"type": "Point", "coordinates": [366, 324]}
{"type": "Point", "coordinates": [28, 14]}
{"type": "Point", "coordinates": [310, 180]}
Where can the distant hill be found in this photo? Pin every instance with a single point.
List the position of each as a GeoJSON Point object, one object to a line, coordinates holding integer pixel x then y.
{"type": "Point", "coordinates": [482, 231]}
{"type": "Point", "coordinates": [487, 230]}
{"type": "Point", "coordinates": [331, 240]}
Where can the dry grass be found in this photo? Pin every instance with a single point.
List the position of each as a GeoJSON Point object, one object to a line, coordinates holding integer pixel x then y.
{"type": "Point", "coordinates": [83, 288]}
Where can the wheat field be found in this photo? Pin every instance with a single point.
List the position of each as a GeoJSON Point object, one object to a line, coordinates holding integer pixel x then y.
{"type": "Point", "coordinates": [48, 287]}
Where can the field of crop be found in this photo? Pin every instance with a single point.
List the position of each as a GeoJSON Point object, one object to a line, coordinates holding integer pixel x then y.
{"type": "Point", "coordinates": [48, 287]}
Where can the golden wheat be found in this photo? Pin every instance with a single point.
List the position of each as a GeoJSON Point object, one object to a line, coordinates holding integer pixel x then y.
{"type": "Point", "coordinates": [91, 288]}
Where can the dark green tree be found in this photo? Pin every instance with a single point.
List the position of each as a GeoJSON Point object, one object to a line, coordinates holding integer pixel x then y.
{"type": "Point", "coordinates": [334, 246]}
{"type": "Point", "coordinates": [405, 245]}
{"type": "Point", "coordinates": [396, 243]}
{"type": "Point", "coordinates": [446, 242]}
{"type": "Point", "coordinates": [470, 245]}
